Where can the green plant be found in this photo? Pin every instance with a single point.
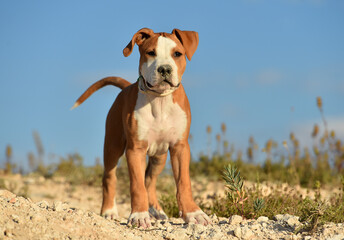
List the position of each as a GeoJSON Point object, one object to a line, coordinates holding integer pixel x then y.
{"type": "Point", "coordinates": [235, 187]}
{"type": "Point", "coordinates": [313, 214]}
{"type": "Point", "coordinates": [169, 204]}
{"type": "Point", "coordinates": [258, 205]}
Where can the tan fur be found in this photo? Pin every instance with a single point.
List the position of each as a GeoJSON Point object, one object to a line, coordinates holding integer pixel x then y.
{"type": "Point", "coordinates": [122, 137]}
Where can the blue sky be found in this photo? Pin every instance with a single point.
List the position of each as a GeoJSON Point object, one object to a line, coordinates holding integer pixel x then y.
{"type": "Point", "coordinates": [256, 61]}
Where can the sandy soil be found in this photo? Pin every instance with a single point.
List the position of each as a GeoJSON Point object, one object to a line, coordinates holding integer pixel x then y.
{"type": "Point", "coordinates": [56, 210]}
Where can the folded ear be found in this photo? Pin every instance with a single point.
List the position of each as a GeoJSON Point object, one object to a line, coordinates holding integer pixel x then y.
{"type": "Point", "coordinates": [138, 38]}
{"type": "Point", "coordinates": [189, 39]}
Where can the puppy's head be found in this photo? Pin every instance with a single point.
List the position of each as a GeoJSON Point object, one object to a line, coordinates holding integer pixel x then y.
{"type": "Point", "coordinates": [162, 60]}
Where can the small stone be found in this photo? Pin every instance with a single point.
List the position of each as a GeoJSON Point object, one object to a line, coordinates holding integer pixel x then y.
{"type": "Point", "coordinates": [179, 233]}
{"type": "Point", "coordinates": [246, 233]}
{"type": "Point", "coordinates": [59, 206]}
{"type": "Point", "coordinates": [263, 219]}
{"type": "Point", "coordinates": [214, 218]}
{"type": "Point", "coordinates": [237, 232]}
{"type": "Point", "coordinates": [37, 218]}
{"type": "Point", "coordinates": [235, 219]}
{"type": "Point", "coordinates": [193, 228]}
{"type": "Point", "coordinates": [15, 218]}
{"type": "Point", "coordinates": [43, 204]}
{"type": "Point", "coordinates": [293, 222]}
{"type": "Point", "coordinates": [13, 200]}
{"type": "Point", "coordinates": [8, 233]}
{"type": "Point", "coordinates": [337, 237]}
{"type": "Point", "coordinates": [255, 226]}
{"type": "Point", "coordinates": [34, 207]}
{"type": "Point", "coordinates": [215, 234]}
{"type": "Point", "coordinates": [278, 217]}
{"type": "Point", "coordinates": [176, 220]}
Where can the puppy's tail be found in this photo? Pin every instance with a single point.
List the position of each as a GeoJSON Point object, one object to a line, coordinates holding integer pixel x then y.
{"type": "Point", "coordinates": [115, 81]}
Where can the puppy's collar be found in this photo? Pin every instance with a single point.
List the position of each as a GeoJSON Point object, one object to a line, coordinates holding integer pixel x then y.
{"type": "Point", "coordinates": [144, 88]}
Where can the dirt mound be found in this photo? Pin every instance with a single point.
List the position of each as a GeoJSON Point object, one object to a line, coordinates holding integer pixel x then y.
{"type": "Point", "coordinates": [21, 218]}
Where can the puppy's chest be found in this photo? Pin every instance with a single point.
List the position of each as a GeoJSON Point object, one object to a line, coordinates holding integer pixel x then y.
{"type": "Point", "coordinates": [160, 122]}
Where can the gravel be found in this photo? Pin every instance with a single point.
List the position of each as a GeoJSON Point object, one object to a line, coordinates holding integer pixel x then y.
{"type": "Point", "coordinates": [20, 218]}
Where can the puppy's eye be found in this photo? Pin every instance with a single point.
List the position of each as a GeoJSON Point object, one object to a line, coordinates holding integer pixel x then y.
{"type": "Point", "coordinates": [151, 53]}
{"type": "Point", "coordinates": [177, 54]}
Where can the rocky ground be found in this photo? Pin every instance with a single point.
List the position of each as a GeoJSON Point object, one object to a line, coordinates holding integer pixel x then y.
{"type": "Point", "coordinates": [55, 211]}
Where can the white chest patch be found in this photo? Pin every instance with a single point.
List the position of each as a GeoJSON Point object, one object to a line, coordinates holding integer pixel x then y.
{"type": "Point", "coordinates": [160, 122]}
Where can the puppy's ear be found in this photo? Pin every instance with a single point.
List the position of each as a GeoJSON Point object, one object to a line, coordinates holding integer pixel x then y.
{"type": "Point", "coordinates": [138, 38]}
{"type": "Point", "coordinates": [189, 39]}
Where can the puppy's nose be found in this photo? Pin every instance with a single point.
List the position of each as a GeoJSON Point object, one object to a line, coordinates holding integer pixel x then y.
{"type": "Point", "coordinates": [165, 70]}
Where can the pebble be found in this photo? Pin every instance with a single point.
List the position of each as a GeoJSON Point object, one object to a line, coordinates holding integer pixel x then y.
{"type": "Point", "coordinates": [179, 233]}
{"type": "Point", "coordinates": [192, 228]}
{"type": "Point", "coordinates": [15, 218]}
{"type": "Point", "coordinates": [246, 233]}
{"type": "Point", "coordinates": [237, 232]}
{"type": "Point", "coordinates": [263, 219]}
{"type": "Point", "coordinates": [43, 204]}
{"type": "Point", "coordinates": [235, 219]}
{"type": "Point", "coordinates": [337, 237]}
{"type": "Point", "coordinates": [58, 206]}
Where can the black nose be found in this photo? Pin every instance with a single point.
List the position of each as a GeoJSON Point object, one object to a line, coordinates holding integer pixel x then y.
{"type": "Point", "coordinates": [165, 70]}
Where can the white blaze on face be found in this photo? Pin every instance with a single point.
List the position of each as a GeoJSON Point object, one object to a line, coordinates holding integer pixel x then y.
{"type": "Point", "coordinates": [163, 57]}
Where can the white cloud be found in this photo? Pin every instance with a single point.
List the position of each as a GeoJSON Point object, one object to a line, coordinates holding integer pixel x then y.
{"type": "Point", "coordinates": [263, 77]}
{"type": "Point", "coordinates": [269, 77]}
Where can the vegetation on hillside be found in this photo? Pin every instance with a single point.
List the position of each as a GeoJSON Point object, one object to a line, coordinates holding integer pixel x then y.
{"type": "Point", "coordinates": [286, 162]}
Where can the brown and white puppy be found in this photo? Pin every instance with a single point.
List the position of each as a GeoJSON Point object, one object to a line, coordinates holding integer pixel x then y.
{"type": "Point", "coordinates": [150, 117]}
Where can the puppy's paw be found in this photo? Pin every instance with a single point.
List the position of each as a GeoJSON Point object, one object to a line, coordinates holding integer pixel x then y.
{"type": "Point", "coordinates": [157, 214]}
{"type": "Point", "coordinates": [197, 217]}
{"type": "Point", "coordinates": [139, 219]}
{"type": "Point", "coordinates": [111, 213]}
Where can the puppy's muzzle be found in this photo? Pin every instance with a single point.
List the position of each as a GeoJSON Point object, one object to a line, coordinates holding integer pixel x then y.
{"type": "Point", "coordinates": [165, 71]}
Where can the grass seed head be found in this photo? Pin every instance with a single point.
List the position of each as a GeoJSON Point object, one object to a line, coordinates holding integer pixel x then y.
{"type": "Point", "coordinates": [333, 134]}
{"type": "Point", "coordinates": [315, 130]}
{"type": "Point", "coordinates": [319, 102]}
{"type": "Point", "coordinates": [8, 151]}
{"type": "Point", "coordinates": [223, 128]}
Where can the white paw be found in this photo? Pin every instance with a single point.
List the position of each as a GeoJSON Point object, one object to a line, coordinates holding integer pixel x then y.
{"type": "Point", "coordinates": [111, 213]}
{"type": "Point", "coordinates": [158, 214]}
{"type": "Point", "coordinates": [197, 217]}
{"type": "Point", "coordinates": [139, 219]}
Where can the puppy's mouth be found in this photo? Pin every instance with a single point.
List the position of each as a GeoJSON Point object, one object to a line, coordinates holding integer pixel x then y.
{"type": "Point", "coordinates": [171, 84]}
{"type": "Point", "coordinates": [151, 87]}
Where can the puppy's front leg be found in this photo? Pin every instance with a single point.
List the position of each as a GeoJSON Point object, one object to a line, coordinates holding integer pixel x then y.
{"type": "Point", "coordinates": [180, 159]}
{"type": "Point", "coordinates": [139, 200]}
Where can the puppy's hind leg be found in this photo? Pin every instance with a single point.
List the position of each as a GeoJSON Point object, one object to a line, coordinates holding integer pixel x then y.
{"type": "Point", "coordinates": [155, 166]}
{"type": "Point", "coordinates": [114, 146]}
